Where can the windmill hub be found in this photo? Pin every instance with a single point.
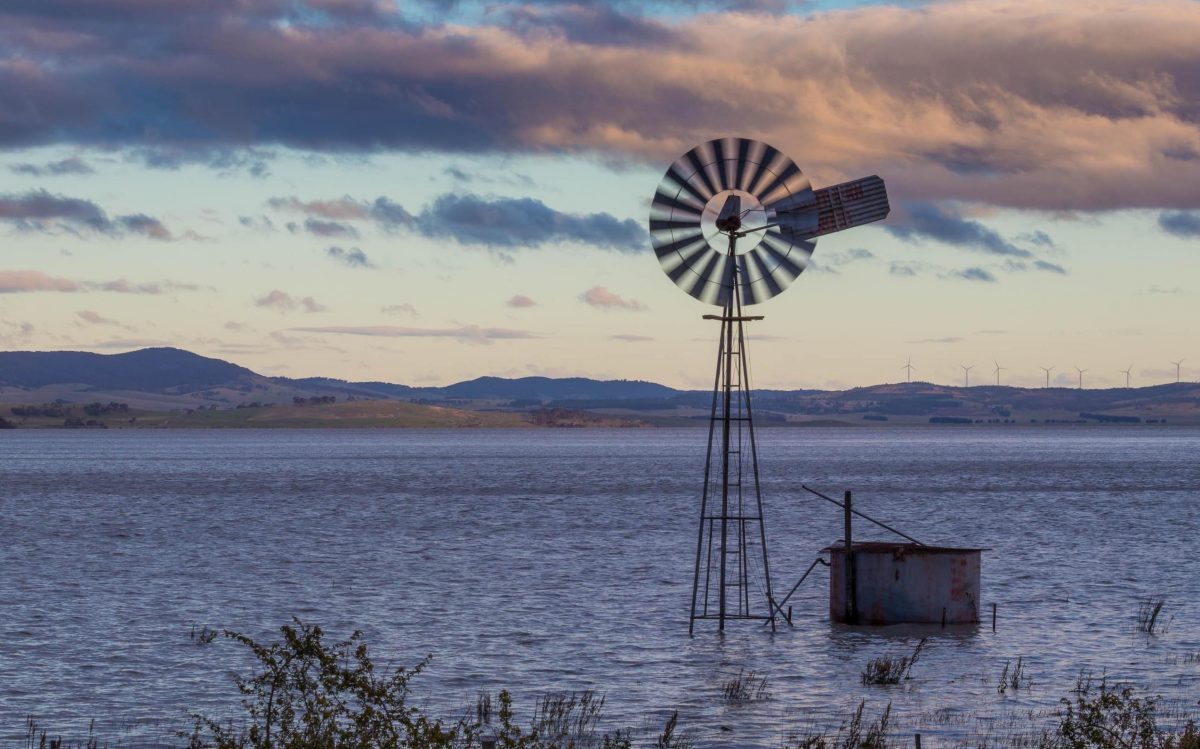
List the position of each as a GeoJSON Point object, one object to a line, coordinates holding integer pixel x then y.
{"type": "Point", "coordinates": [733, 223]}
{"type": "Point", "coordinates": [729, 212]}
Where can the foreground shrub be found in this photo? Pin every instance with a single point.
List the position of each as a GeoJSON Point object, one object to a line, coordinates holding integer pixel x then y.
{"type": "Point", "coordinates": [1104, 717]}
{"type": "Point", "coordinates": [313, 695]}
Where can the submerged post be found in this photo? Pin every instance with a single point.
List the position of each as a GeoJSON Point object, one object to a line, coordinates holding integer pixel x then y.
{"type": "Point", "coordinates": [851, 581]}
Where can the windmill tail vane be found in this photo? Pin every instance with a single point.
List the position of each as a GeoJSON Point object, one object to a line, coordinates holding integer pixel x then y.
{"type": "Point", "coordinates": [733, 223]}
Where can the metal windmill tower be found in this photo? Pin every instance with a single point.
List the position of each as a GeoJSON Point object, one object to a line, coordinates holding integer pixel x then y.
{"type": "Point", "coordinates": [909, 368]}
{"type": "Point", "coordinates": [733, 223]}
{"type": "Point", "coordinates": [967, 374]}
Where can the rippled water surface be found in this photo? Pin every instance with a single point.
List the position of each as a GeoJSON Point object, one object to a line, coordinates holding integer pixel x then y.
{"type": "Point", "coordinates": [562, 559]}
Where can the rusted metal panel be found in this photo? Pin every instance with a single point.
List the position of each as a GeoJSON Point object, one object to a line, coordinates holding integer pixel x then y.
{"type": "Point", "coordinates": [906, 583]}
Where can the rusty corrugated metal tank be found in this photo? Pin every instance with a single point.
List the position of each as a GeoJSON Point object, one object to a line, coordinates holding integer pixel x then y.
{"type": "Point", "coordinates": [905, 583]}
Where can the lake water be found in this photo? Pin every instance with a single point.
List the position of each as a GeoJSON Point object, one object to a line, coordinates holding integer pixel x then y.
{"type": "Point", "coordinates": [542, 560]}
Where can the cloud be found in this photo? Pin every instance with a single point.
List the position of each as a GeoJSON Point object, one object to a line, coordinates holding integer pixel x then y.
{"type": "Point", "coordinates": [225, 159]}
{"type": "Point", "coordinates": [39, 210]}
{"type": "Point", "coordinates": [1049, 267]}
{"type": "Point", "coordinates": [601, 298]}
{"type": "Point", "coordinates": [947, 339]}
{"type": "Point", "coordinates": [926, 221]}
{"type": "Point", "coordinates": [902, 269]}
{"type": "Point", "coordinates": [329, 228]}
{"type": "Point", "coordinates": [22, 281]}
{"type": "Point", "coordinates": [281, 301]}
{"type": "Point", "coordinates": [94, 318]}
{"type": "Point", "coordinates": [339, 209]}
{"type": "Point", "coordinates": [1183, 224]}
{"type": "Point", "coordinates": [258, 223]}
{"type": "Point", "coordinates": [467, 333]}
{"type": "Point", "coordinates": [513, 223]}
{"type": "Point", "coordinates": [233, 325]}
{"type": "Point", "coordinates": [1168, 290]}
{"type": "Point", "coordinates": [72, 165]}
{"type": "Point", "coordinates": [973, 274]}
{"type": "Point", "coordinates": [31, 280]}
{"type": "Point", "coordinates": [1008, 102]}
{"type": "Point", "coordinates": [1038, 238]}
{"type": "Point", "coordinates": [353, 257]}
{"type": "Point", "coordinates": [631, 338]}
{"type": "Point", "coordinates": [400, 310]}
{"type": "Point", "coordinates": [498, 222]}
{"type": "Point", "coordinates": [520, 301]}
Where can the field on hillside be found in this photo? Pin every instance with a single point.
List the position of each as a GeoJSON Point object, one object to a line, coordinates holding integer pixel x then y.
{"type": "Point", "coordinates": [375, 413]}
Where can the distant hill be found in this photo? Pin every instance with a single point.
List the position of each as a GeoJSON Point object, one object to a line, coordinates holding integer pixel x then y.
{"type": "Point", "coordinates": [157, 370]}
{"type": "Point", "coordinates": [166, 379]}
{"type": "Point", "coordinates": [553, 389]}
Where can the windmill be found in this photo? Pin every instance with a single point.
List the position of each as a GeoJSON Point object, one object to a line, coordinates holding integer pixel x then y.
{"type": "Point", "coordinates": [997, 372]}
{"type": "Point", "coordinates": [1126, 373]}
{"type": "Point", "coordinates": [733, 223]}
{"type": "Point", "coordinates": [908, 367]}
{"type": "Point", "coordinates": [1047, 370]}
{"type": "Point", "coordinates": [1177, 370]}
{"type": "Point", "coordinates": [967, 374]}
{"type": "Point", "coordinates": [1080, 371]}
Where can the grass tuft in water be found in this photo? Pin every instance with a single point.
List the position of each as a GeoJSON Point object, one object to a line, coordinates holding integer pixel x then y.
{"type": "Point", "coordinates": [889, 670]}
{"type": "Point", "coordinates": [854, 733]}
{"type": "Point", "coordinates": [205, 636]}
{"type": "Point", "coordinates": [747, 686]}
{"type": "Point", "coordinates": [1149, 616]}
{"type": "Point", "coordinates": [1014, 677]}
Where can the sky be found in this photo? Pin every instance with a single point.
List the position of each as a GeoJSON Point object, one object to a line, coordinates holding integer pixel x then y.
{"type": "Point", "coordinates": [430, 191]}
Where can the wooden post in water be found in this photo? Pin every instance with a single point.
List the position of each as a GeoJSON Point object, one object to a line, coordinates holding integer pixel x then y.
{"type": "Point", "coordinates": [918, 737]}
{"type": "Point", "coordinates": [851, 574]}
{"type": "Point", "coordinates": [993, 617]}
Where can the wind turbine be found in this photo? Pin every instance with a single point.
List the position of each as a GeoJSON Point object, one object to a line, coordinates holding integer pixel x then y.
{"type": "Point", "coordinates": [1126, 373]}
{"type": "Point", "coordinates": [999, 369]}
{"type": "Point", "coordinates": [967, 374]}
{"type": "Point", "coordinates": [1047, 370]}
{"type": "Point", "coordinates": [1177, 363]}
{"type": "Point", "coordinates": [1080, 371]}
{"type": "Point", "coordinates": [909, 367]}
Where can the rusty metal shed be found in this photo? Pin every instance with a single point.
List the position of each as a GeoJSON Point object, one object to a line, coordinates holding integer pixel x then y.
{"type": "Point", "coordinates": [903, 583]}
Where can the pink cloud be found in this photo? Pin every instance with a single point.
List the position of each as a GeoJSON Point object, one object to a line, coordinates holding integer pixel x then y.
{"type": "Point", "coordinates": [22, 281]}
{"type": "Point", "coordinates": [601, 298]}
{"type": "Point", "coordinates": [520, 301]}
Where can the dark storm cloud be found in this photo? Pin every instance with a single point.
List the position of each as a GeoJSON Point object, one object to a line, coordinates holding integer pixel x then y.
{"type": "Point", "coordinates": [1008, 102]}
{"type": "Point", "coordinates": [927, 221]}
{"type": "Point", "coordinates": [39, 210]}
{"type": "Point", "coordinates": [1184, 224]}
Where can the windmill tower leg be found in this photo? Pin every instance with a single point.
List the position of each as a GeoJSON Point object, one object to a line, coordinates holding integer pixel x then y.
{"type": "Point", "coordinates": [725, 554]}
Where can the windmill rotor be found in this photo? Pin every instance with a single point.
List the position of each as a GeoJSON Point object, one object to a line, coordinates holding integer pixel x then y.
{"type": "Point", "coordinates": [738, 213]}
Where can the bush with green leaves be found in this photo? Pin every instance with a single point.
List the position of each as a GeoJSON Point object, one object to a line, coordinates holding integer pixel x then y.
{"type": "Point", "coordinates": [309, 694]}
